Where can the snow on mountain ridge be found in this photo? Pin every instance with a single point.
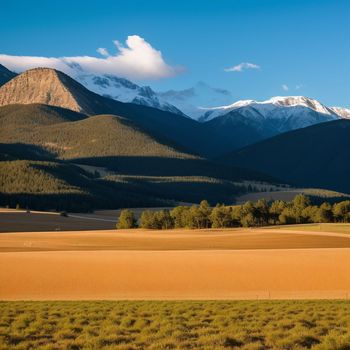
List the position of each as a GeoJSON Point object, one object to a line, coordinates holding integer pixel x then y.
{"type": "Point", "coordinates": [276, 107]}
{"type": "Point", "coordinates": [342, 112]}
{"type": "Point", "coordinates": [189, 102]}
{"type": "Point", "coordinates": [125, 91]}
{"type": "Point", "coordinates": [241, 103]}
{"type": "Point", "coordinates": [183, 102]}
{"type": "Point", "coordinates": [291, 101]}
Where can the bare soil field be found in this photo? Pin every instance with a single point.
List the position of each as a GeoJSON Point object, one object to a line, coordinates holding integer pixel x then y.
{"type": "Point", "coordinates": [181, 239]}
{"type": "Point", "coordinates": [20, 221]}
{"type": "Point", "coordinates": [177, 264]}
{"type": "Point", "coordinates": [244, 274]}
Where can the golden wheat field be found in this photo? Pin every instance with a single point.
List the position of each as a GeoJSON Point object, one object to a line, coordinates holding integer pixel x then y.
{"type": "Point", "coordinates": [273, 263]}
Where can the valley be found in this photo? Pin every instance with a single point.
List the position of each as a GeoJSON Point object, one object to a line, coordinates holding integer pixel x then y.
{"type": "Point", "coordinates": [174, 175]}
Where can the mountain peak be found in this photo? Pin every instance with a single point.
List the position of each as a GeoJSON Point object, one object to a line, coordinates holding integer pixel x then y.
{"type": "Point", "coordinates": [46, 86]}
{"type": "Point", "coordinates": [292, 101]}
{"type": "Point", "coordinates": [123, 90]}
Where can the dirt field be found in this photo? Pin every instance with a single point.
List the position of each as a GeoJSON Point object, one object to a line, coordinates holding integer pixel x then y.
{"type": "Point", "coordinates": [20, 221]}
{"type": "Point", "coordinates": [138, 239]}
{"type": "Point", "coordinates": [138, 264]}
{"type": "Point", "coordinates": [211, 274]}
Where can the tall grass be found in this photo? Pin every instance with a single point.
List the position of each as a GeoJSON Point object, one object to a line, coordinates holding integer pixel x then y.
{"type": "Point", "coordinates": [253, 325]}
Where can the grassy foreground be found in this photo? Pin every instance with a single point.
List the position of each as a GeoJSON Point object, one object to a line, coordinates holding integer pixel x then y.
{"type": "Point", "coordinates": [208, 325]}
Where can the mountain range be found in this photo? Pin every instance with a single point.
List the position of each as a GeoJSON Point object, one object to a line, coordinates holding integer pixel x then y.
{"type": "Point", "coordinates": [279, 107]}
{"type": "Point", "coordinates": [193, 102]}
{"type": "Point", "coordinates": [141, 143]}
{"type": "Point", "coordinates": [186, 102]}
{"type": "Point", "coordinates": [235, 125]}
{"type": "Point", "coordinates": [149, 155]}
{"type": "Point", "coordinates": [227, 128]}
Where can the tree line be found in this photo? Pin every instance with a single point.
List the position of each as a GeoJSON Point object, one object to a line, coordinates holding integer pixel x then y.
{"type": "Point", "coordinates": [261, 213]}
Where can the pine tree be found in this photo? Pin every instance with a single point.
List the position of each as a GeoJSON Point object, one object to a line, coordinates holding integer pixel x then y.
{"type": "Point", "coordinates": [126, 220]}
{"type": "Point", "coordinates": [341, 211]}
{"type": "Point", "coordinates": [248, 215]}
{"type": "Point", "coordinates": [262, 212]}
{"type": "Point", "coordinates": [164, 221]}
{"type": "Point", "coordinates": [180, 216]}
{"type": "Point", "coordinates": [147, 219]}
{"type": "Point", "coordinates": [221, 216]}
{"type": "Point", "coordinates": [276, 209]}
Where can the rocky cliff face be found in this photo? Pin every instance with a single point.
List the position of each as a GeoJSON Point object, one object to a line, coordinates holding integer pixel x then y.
{"type": "Point", "coordinates": [47, 86]}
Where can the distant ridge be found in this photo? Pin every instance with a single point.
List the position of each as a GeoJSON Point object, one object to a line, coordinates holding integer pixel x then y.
{"type": "Point", "coordinates": [316, 156]}
{"type": "Point", "coordinates": [5, 75]}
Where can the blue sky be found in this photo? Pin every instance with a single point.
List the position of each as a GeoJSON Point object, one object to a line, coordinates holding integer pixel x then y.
{"type": "Point", "coordinates": [303, 45]}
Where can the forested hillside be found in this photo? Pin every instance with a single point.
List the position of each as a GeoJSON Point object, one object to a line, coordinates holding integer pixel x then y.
{"type": "Point", "coordinates": [316, 156]}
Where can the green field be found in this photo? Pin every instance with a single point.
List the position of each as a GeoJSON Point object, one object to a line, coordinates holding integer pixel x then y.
{"type": "Point", "coordinates": [175, 325]}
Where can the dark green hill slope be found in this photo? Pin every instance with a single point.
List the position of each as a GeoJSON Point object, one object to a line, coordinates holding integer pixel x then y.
{"type": "Point", "coordinates": [316, 156]}
{"type": "Point", "coordinates": [143, 169]}
{"type": "Point", "coordinates": [60, 131]}
{"type": "Point", "coordinates": [17, 151]}
{"type": "Point", "coordinates": [108, 141]}
{"type": "Point", "coordinates": [63, 186]}
{"type": "Point", "coordinates": [33, 115]}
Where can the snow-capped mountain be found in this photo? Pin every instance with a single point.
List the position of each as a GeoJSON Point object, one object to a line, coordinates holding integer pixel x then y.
{"type": "Point", "coordinates": [250, 121]}
{"type": "Point", "coordinates": [342, 112]}
{"type": "Point", "coordinates": [286, 112]}
{"type": "Point", "coordinates": [125, 91]}
{"type": "Point", "coordinates": [186, 102]}
{"type": "Point", "coordinates": [260, 120]}
{"type": "Point", "coordinates": [275, 108]}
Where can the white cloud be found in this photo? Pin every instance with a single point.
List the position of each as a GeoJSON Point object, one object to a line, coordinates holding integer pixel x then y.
{"type": "Point", "coordinates": [298, 87]}
{"type": "Point", "coordinates": [241, 67]}
{"type": "Point", "coordinates": [285, 87]}
{"type": "Point", "coordinates": [136, 60]}
{"type": "Point", "coordinates": [103, 51]}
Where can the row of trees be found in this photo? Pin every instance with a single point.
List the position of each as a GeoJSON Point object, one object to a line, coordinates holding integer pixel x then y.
{"type": "Point", "coordinates": [261, 213]}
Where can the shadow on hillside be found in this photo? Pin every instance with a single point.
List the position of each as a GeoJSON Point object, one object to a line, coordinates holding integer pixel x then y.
{"type": "Point", "coordinates": [108, 198]}
{"type": "Point", "coordinates": [20, 151]}
{"type": "Point", "coordinates": [161, 166]}
{"type": "Point", "coordinates": [190, 190]}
